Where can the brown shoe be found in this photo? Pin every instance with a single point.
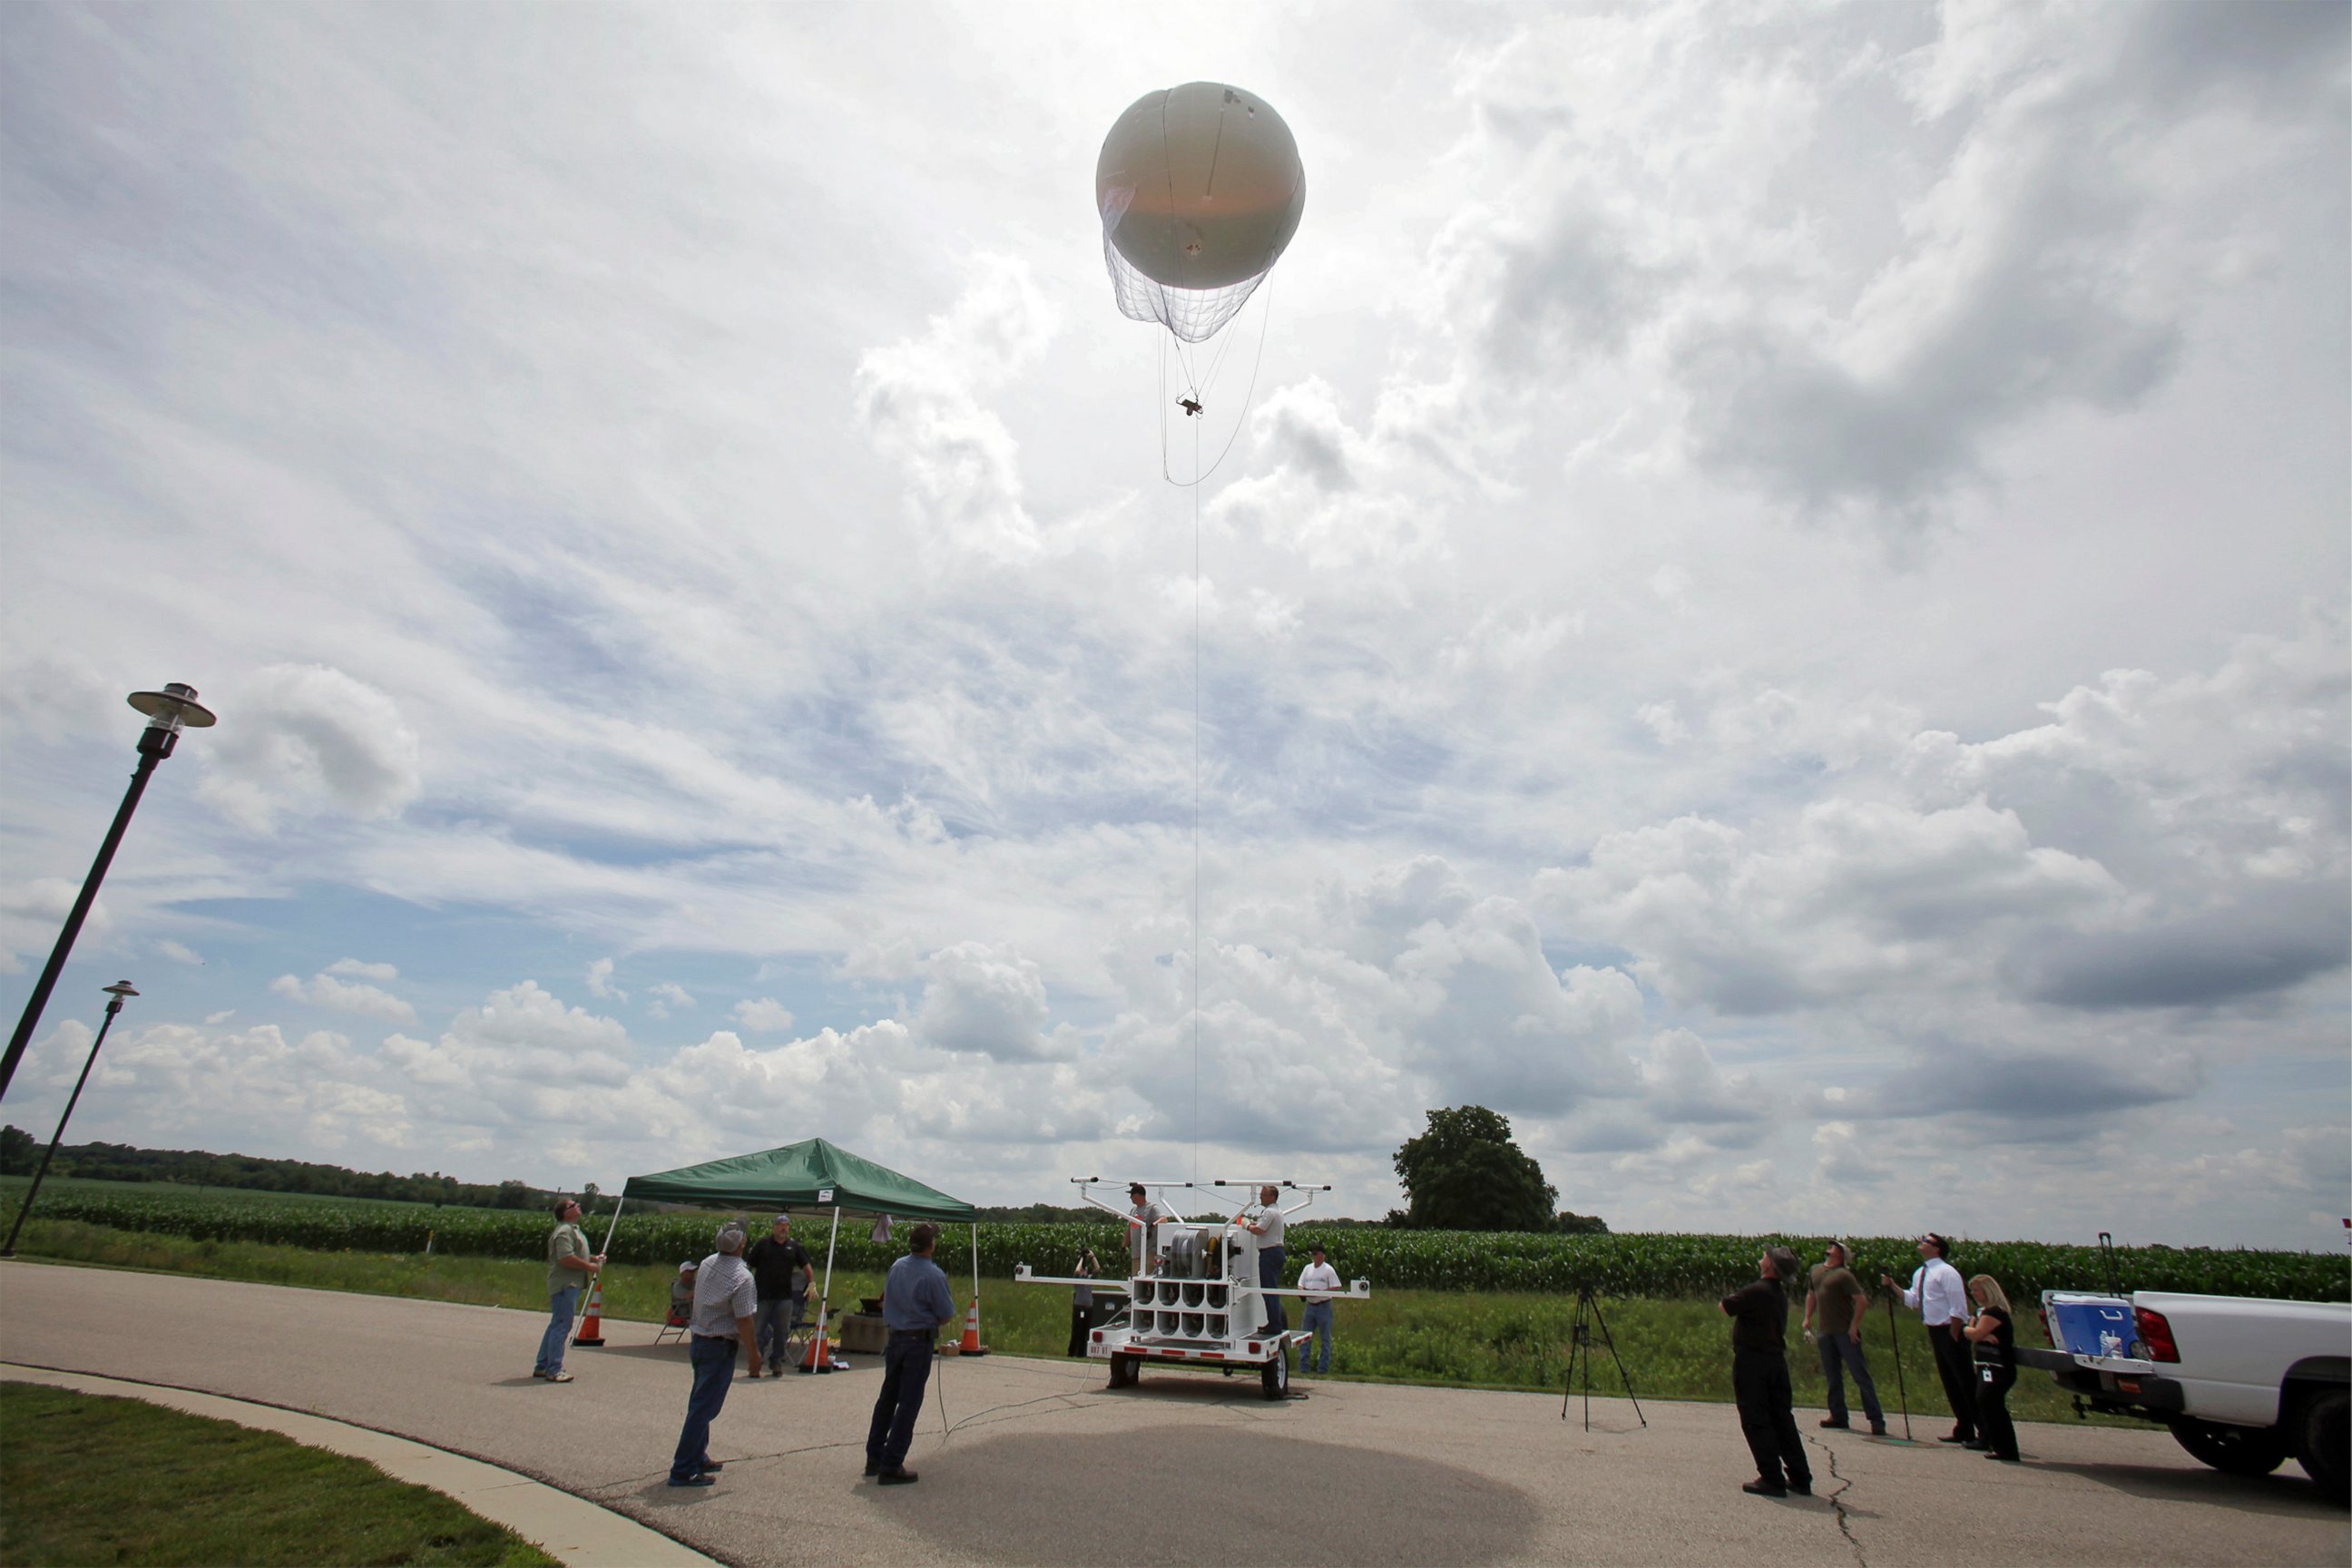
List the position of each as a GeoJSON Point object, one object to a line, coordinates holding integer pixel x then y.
{"type": "Point", "coordinates": [901, 1476]}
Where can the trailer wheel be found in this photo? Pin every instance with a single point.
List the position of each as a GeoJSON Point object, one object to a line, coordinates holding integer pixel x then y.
{"type": "Point", "coordinates": [2326, 1428]}
{"type": "Point", "coordinates": [1276, 1378]}
{"type": "Point", "coordinates": [2233, 1450]}
{"type": "Point", "coordinates": [1125, 1369]}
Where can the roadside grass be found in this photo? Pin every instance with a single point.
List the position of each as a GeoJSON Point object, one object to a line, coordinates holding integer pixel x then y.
{"type": "Point", "coordinates": [1671, 1350]}
{"type": "Point", "coordinates": [93, 1480]}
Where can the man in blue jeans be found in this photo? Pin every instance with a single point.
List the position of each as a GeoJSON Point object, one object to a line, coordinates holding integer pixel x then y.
{"type": "Point", "coordinates": [914, 1307]}
{"type": "Point", "coordinates": [569, 1267]}
{"type": "Point", "coordinates": [1834, 1312]}
{"type": "Point", "coordinates": [724, 1300]}
{"type": "Point", "coordinates": [1317, 1276]}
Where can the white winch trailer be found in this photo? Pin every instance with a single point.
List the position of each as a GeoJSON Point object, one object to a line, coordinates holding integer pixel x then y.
{"type": "Point", "coordinates": [1194, 1301]}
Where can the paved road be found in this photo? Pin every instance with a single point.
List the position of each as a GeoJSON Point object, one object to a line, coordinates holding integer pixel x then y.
{"type": "Point", "coordinates": [1040, 1464]}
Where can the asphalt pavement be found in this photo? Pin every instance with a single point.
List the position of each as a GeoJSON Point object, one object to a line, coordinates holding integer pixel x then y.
{"type": "Point", "coordinates": [1028, 1461]}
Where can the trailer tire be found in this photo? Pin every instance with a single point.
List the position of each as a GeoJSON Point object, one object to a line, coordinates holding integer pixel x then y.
{"type": "Point", "coordinates": [2322, 1436]}
{"type": "Point", "coordinates": [1276, 1375]}
{"type": "Point", "coordinates": [1125, 1369]}
{"type": "Point", "coordinates": [2233, 1450]}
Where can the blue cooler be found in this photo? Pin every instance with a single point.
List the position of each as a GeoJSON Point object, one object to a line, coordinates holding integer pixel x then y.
{"type": "Point", "coordinates": [2091, 1325]}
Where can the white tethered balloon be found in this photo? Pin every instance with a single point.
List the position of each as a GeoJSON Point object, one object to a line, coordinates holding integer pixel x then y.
{"type": "Point", "coordinates": [1200, 188]}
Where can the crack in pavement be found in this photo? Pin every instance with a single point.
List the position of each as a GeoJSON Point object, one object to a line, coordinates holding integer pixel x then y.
{"type": "Point", "coordinates": [1834, 1499]}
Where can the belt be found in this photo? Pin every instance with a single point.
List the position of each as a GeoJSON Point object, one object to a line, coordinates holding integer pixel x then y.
{"type": "Point", "coordinates": [913, 1334]}
{"type": "Point", "coordinates": [718, 1339]}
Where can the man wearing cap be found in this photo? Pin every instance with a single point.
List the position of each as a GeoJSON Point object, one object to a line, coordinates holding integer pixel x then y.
{"type": "Point", "coordinates": [1143, 1227]}
{"type": "Point", "coordinates": [780, 1270]}
{"type": "Point", "coordinates": [569, 1267]}
{"type": "Point", "coordinates": [1833, 1308]}
{"type": "Point", "coordinates": [724, 1300]}
{"type": "Point", "coordinates": [1937, 1290]}
{"type": "Point", "coordinates": [916, 1306]}
{"type": "Point", "coordinates": [1759, 1377]}
{"type": "Point", "coordinates": [1317, 1276]}
{"type": "Point", "coordinates": [1266, 1226]}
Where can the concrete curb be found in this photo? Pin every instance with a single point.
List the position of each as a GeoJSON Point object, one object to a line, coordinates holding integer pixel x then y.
{"type": "Point", "coordinates": [570, 1529]}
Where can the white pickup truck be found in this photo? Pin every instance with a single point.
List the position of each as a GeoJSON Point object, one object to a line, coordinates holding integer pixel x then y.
{"type": "Point", "coordinates": [2242, 1383]}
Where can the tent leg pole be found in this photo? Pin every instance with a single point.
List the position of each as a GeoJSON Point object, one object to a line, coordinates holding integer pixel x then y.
{"type": "Point", "coordinates": [615, 1224]}
{"type": "Point", "coordinates": [824, 1299]}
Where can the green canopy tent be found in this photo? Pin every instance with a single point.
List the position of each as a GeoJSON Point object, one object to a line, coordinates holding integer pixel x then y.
{"type": "Point", "coordinates": [811, 1173]}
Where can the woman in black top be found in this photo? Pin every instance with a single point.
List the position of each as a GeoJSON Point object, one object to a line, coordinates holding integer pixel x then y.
{"type": "Point", "coordinates": [1995, 1339]}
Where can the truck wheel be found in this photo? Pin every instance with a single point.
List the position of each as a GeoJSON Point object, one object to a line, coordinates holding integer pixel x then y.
{"type": "Point", "coordinates": [2327, 1417]}
{"type": "Point", "coordinates": [2233, 1450]}
{"type": "Point", "coordinates": [1276, 1375]}
{"type": "Point", "coordinates": [1125, 1369]}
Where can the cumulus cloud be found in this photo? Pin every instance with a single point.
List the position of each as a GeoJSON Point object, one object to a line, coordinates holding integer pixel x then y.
{"type": "Point", "coordinates": [978, 998]}
{"type": "Point", "coordinates": [306, 738]}
{"type": "Point", "coordinates": [763, 1014]}
{"type": "Point", "coordinates": [178, 952]}
{"type": "Point", "coordinates": [359, 969]}
{"type": "Point", "coordinates": [345, 996]}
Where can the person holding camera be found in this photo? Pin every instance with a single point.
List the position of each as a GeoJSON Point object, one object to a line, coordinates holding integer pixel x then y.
{"type": "Point", "coordinates": [1834, 1305]}
{"type": "Point", "coordinates": [1082, 1301]}
{"type": "Point", "coordinates": [1758, 1312]}
{"type": "Point", "coordinates": [914, 1307]}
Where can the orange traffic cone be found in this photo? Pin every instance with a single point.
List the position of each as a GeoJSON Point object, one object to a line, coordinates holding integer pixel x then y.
{"type": "Point", "coordinates": [971, 1345]}
{"type": "Point", "coordinates": [820, 1354]}
{"type": "Point", "coordinates": [592, 1326]}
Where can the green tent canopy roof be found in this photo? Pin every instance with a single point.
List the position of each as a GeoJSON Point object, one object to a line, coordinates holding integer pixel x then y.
{"type": "Point", "coordinates": [798, 1176]}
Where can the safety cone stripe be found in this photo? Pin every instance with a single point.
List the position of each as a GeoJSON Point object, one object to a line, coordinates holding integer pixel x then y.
{"type": "Point", "coordinates": [971, 1345]}
{"type": "Point", "coordinates": [592, 1326]}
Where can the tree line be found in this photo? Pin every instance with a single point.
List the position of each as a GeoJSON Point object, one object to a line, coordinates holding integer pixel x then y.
{"type": "Point", "coordinates": [1466, 1173]}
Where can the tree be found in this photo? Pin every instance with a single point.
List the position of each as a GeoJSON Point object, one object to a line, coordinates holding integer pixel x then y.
{"type": "Point", "coordinates": [1466, 1174]}
{"type": "Point", "coordinates": [16, 1157]}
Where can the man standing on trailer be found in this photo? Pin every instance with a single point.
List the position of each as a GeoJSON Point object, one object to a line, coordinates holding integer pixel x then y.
{"type": "Point", "coordinates": [1267, 1227]}
{"type": "Point", "coordinates": [1143, 1227]}
{"type": "Point", "coordinates": [1833, 1311]}
{"type": "Point", "coordinates": [916, 1306]}
{"type": "Point", "coordinates": [1943, 1301]}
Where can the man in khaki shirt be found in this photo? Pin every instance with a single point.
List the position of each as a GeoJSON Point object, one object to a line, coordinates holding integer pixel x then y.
{"type": "Point", "coordinates": [1834, 1306]}
{"type": "Point", "coordinates": [569, 1267]}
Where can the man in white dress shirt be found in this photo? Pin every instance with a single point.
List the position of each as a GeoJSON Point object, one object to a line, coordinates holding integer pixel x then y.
{"type": "Point", "coordinates": [1942, 1300]}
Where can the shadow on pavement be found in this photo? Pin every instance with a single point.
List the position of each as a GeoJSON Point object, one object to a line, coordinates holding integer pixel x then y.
{"type": "Point", "coordinates": [1212, 1497]}
{"type": "Point", "coordinates": [2286, 1495]}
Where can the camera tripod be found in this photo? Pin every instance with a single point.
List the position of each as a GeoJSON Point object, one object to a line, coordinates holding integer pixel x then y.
{"type": "Point", "coordinates": [1581, 1337]}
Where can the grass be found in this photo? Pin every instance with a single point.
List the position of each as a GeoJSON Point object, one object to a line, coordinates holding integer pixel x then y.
{"type": "Point", "coordinates": [1673, 1350]}
{"type": "Point", "coordinates": [90, 1479]}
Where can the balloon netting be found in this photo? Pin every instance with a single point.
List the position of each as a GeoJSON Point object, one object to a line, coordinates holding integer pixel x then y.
{"type": "Point", "coordinates": [1193, 314]}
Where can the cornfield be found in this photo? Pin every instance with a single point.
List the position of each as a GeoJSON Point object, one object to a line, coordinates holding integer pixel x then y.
{"type": "Point", "coordinates": [1661, 1266]}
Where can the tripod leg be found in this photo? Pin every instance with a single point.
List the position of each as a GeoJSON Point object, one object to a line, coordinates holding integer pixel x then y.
{"type": "Point", "coordinates": [1626, 1377]}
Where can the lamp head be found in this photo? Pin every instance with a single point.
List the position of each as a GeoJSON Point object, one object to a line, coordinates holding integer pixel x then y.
{"type": "Point", "coordinates": [121, 988]}
{"type": "Point", "coordinates": [168, 712]}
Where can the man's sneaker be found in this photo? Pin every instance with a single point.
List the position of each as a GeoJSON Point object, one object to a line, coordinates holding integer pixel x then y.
{"type": "Point", "coordinates": [703, 1480]}
{"type": "Point", "coordinates": [1833, 1423]}
{"type": "Point", "coordinates": [1800, 1489]}
{"type": "Point", "coordinates": [901, 1476]}
{"type": "Point", "coordinates": [1761, 1487]}
{"type": "Point", "coordinates": [1878, 1429]}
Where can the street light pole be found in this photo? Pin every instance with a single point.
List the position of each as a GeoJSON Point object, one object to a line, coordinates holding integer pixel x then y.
{"type": "Point", "coordinates": [166, 711]}
{"type": "Point", "coordinates": [117, 991]}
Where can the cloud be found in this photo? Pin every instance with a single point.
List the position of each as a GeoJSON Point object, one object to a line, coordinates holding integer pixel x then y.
{"type": "Point", "coordinates": [675, 995]}
{"type": "Point", "coordinates": [599, 981]}
{"type": "Point", "coordinates": [2021, 1086]}
{"type": "Point", "coordinates": [179, 953]}
{"type": "Point", "coordinates": [919, 402]}
{"type": "Point", "coordinates": [764, 1015]}
{"type": "Point", "coordinates": [2270, 940]}
{"type": "Point", "coordinates": [306, 738]}
{"type": "Point", "coordinates": [979, 998]}
{"type": "Point", "coordinates": [345, 996]}
{"type": "Point", "coordinates": [353, 968]}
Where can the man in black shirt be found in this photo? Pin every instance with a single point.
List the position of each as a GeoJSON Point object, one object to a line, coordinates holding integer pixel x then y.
{"type": "Point", "coordinates": [1759, 1377]}
{"type": "Point", "coordinates": [781, 1272]}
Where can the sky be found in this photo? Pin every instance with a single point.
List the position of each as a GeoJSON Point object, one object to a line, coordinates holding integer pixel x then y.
{"type": "Point", "coordinates": [1773, 606]}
